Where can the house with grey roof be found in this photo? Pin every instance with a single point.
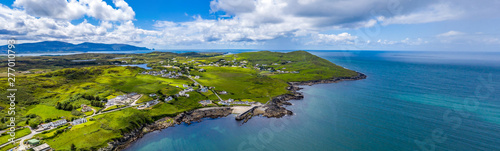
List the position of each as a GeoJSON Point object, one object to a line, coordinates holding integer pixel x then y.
{"type": "Point", "coordinates": [79, 121]}
{"type": "Point", "coordinates": [43, 147]}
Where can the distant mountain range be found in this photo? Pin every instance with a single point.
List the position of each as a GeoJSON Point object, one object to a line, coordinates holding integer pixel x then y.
{"type": "Point", "coordinates": [58, 46]}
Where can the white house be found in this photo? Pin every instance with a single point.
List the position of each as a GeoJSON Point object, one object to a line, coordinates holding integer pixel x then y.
{"type": "Point", "coordinates": [204, 89]}
{"type": "Point", "coordinates": [59, 122]}
{"type": "Point", "coordinates": [168, 99]}
{"type": "Point", "coordinates": [79, 121]}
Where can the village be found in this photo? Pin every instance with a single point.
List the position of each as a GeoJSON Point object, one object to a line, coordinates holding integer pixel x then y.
{"type": "Point", "coordinates": [130, 99]}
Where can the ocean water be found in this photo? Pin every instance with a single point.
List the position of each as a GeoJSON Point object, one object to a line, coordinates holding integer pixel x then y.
{"type": "Point", "coordinates": [410, 101]}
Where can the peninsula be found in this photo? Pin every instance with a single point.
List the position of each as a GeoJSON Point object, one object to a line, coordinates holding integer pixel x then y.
{"type": "Point", "coordinates": [106, 101]}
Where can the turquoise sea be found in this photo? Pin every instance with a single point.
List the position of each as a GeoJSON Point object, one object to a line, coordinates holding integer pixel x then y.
{"type": "Point", "coordinates": [410, 101]}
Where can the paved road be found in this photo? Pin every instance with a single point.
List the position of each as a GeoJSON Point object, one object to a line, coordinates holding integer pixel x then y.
{"type": "Point", "coordinates": [194, 81]}
{"type": "Point", "coordinates": [133, 103]}
{"type": "Point", "coordinates": [202, 86]}
{"type": "Point", "coordinates": [217, 95]}
{"type": "Point", "coordinates": [117, 109]}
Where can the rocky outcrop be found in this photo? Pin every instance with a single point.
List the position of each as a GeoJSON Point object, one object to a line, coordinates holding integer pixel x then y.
{"type": "Point", "coordinates": [332, 80]}
{"type": "Point", "coordinates": [275, 106]}
{"type": "Point", "coordinates": [186, 117]}
{"type": "Point", "coordinates": [198, 115]}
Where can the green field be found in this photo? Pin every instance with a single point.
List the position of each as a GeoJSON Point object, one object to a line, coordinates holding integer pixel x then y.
{"type": "Point", "coordinates": [46, 112]}
{"type": "Point", "coordinates": [10, 146]}
{"type": "Point", "coordinates": [4, 137]}
{"type": "Point", "coordinates": [242, 83]}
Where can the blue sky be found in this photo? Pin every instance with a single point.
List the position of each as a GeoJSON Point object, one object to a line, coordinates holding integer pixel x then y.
{"type": "Point", "coordinates": [437, 25]}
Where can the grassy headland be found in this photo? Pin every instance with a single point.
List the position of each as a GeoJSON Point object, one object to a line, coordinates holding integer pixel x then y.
{"type": "Point", "coordinates": [56, 86]}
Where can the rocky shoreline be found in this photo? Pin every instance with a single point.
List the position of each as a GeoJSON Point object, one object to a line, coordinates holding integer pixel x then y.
{"type": "Point", "coordinates": [332, 80]}
{"type": "Point", "coordinates": [186, 117]}
{"type": "Point", "coordinates": [273, 109]}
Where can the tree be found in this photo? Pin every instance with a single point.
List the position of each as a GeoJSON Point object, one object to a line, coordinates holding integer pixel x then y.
{"type": "Point", "coordinates": [33, 125]}
{"type": "Point", "coordinates": [73, 147]}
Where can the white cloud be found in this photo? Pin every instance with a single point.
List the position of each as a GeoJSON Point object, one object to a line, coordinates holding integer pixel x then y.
{"type": "Point", "coordinates": [75, 9]}
{"type": "Point", "coordinates": [406, 41]}
{"type": "Point", "coordinates": [232, 7]}
{"type": "Point", "coordinates": [456, 37]}
{"type": "Point", "coordinates": [450, 33]}
{"type": "Point", "coordinates": [332, 39]}
{"type": "Point", "coordinates": [100, 10]}
{"type": "Point", "coordinates": [434, 13]}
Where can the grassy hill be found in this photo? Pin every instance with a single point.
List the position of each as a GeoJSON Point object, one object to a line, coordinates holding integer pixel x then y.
{"type": "Point", "coordinates": [310, 67]}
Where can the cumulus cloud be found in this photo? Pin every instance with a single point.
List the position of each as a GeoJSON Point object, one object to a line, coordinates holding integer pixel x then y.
{"type": "Point", "coordinates": [59, 9]}
{"type": "Point", "coordinates": [406, 41]}
{"type": "Point", "coordinates": [434, 13]}
{"type": "Point", "coordinates": [332, 39]}
{"type": "Point", "coordinates": [232, 7]}
{"type": "Point", "coordinates": [457, 37]}
{"type": "Point", "coordinates": [75, 9]}
{"type": "Point", "coordinates": [450, 33]}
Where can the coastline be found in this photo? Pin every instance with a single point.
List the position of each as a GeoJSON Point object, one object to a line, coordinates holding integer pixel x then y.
{"type": "Point", "coordinates": [273, 109]}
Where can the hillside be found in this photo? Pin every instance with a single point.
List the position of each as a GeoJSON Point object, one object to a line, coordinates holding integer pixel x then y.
{"type": "Point", "coordinates": [58, 46]}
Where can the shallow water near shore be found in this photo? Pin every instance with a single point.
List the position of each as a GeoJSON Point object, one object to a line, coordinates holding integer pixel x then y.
{"type": "Point", "coordinates": [406, 98]}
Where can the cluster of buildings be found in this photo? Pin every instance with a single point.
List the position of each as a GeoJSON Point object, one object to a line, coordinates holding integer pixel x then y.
{"type": "Point", "coordinates": [50, 125]}
{"type": "Point", "coordinates": [233, 102]}
{"type": "Point", "coordinates": [224, 63]}
{"type": "Point", "coordinates": [163, 73]}
{"type": "Point", "coordinates": [149, 104]}
{"type": "Point", "coordinates": [226, 102]}
{"type": "Point", "coordinates": [58, 123]}
{"type": "Point", "coordinates": [241, 103]}
{"type": "Point", "coordinates": [33, 143]}
{"type": "Point", "coordinates": [280, 71]}
{"type": "Point", "coordinates": [185, 91]}
{"type": "Point", "coordinates": [205, 102]}
{"type": "Point", "coordinates": [195, 77]}
{"type": "Point", "coordinates": [263, 67]}
{"type": "Point", "coordinates": [123, 99]}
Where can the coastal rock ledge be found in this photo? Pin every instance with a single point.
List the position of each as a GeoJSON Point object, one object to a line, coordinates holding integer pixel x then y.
{"type": "Point", "coordinates": [273, 109]}
{"type": "Point", "coordinates": [186, 117]}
